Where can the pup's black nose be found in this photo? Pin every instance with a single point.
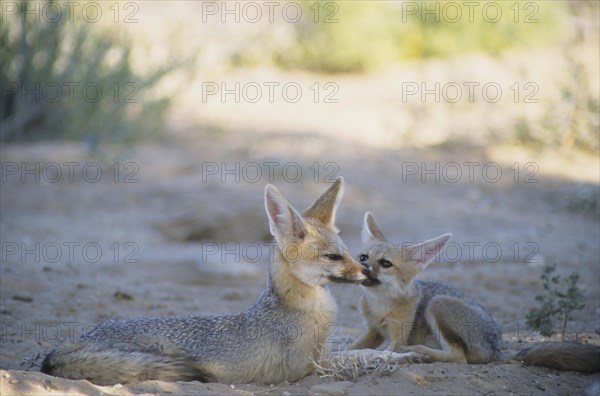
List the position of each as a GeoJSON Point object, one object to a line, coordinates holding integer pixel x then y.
{"type": "Point", "coordinates": [366, 271]}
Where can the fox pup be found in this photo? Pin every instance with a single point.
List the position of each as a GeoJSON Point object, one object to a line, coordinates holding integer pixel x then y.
{"type": "Point", "coordinates": [428, 317]}
{"type": "Point", "coordinates": [275, 340]}
{"type": "Point", "coordinates": [437, 320]}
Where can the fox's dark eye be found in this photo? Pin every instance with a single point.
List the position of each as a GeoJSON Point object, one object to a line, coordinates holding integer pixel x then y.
{"type": "Point", "coordinates": [334, 257]}
{"type": "Point", "coordinates": [385, 263]}
{"type": "Point", "coordinates": [363, 257]}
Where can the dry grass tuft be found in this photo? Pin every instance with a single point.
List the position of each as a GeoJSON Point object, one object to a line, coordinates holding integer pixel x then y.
{"type": "Point", "coordinates": [350, 365]}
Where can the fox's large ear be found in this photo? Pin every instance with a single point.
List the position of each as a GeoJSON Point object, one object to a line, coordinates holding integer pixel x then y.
{"type": "Point", "coordinates": [323, 209]}
{"type": "Point", "coordinates": [423, 253]}
{"type": "Point", "coordinates": [285, 222]}
{"type": "Point", "coordinates": [370, 231]}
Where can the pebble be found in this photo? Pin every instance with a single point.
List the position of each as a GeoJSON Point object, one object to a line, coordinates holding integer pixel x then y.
{"type": "Point", "coordinates": [123, 296]}
{"type": "Point", "coordinates": [48, 385]}
{"type": "Point", "coordinates": [540, 387]}
{"type": "Point", "coordinates": [26, 299]}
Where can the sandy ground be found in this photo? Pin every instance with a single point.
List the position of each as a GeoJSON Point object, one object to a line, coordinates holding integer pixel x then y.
{"type": "Point", "coordinates": [175, 227]}
{"type": "Point", "coordinates": [165, 244]}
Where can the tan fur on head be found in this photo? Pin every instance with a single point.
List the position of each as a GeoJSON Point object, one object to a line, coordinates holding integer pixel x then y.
{"type": "Point", "coordinates": [286, 224]}
{"type": "Point", "coordinates": [392, 268]}
{"type": "Point", "coordinates": [370, 231]}
{"type": "Point", "coordinates": [309, 245]}
{"type": "Point", "coordinates": [324, 208]}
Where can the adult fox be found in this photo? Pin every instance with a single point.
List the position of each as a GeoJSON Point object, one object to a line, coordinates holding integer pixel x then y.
{"type": "Point", "coordinates": [275, 340]}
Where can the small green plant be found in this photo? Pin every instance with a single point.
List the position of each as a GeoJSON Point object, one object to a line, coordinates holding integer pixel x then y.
{"type": "Point", "coordinates": [555, 302]}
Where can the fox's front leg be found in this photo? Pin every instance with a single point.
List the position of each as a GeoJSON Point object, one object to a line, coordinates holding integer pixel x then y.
{"type": "Point", "coordinates": [448, 352]}
{"type": "Point", "coordinates": [398, 336]}
{"type": "Point", "coordinates": [370, 339]}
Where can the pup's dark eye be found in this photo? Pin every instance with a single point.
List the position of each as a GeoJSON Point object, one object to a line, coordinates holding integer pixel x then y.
{"type": "Point", "coordinates": [363, 257]}
{"type": "Point", "coordinates": [385, 263]}
{"type": "Point", "coordinates": [334, 257]}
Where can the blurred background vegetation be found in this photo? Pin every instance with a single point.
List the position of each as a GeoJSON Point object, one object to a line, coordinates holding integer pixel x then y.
{"type": "Point", "coordinates": [70, 80]}
{"type": "Point", "coordinates": [367, 35]}
{"type": "Point", "coordinates": [331, 37]}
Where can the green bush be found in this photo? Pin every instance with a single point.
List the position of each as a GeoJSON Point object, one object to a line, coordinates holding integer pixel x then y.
{"type": "Point", "coordinates": [518, 24]}
{"type": "Point", "coordinates": [61, 79]}
{"type": "Point", "coordinates": [361, 35]}
{"type": "Point", "coordinates": [341, 37]}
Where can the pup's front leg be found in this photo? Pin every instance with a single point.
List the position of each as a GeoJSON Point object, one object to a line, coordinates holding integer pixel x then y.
{"type": "Point", "coordinates": [371, 338]}
{"type": "Point", "coordinates": [452, 354]}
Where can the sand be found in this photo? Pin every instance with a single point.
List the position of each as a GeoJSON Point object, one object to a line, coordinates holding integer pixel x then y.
{"type": "Point", "coordinates": [177, 240]}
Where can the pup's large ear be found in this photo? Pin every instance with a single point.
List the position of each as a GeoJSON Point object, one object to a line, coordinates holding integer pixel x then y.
{"type": "Point", "coordinates": [423, 253]}
{"type": "Point", "coordinates": [285, 222]}
{"type": "Point", "coordinates": [323, 209]}
{"type": "Point", "coordinates": [370, 231]}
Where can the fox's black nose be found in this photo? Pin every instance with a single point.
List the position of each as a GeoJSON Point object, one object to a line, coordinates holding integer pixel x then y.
{"type": "Point", "coordinates": [366, 271]}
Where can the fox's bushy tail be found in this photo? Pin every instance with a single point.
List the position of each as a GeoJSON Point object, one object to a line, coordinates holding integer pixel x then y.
{"type": "Point", "coordinates": [562, 356]}
{"type": "Point", "coordinates": [107, 366]}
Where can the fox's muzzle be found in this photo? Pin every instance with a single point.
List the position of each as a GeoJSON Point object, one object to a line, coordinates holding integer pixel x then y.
{"type": "Point", "coordinates": [370, 281]}
{"type": "Point", "coordinates": [337, 279]}
{"type": "Point", "coordinates": [349, 275]}
{"type": "Point", "coordinates": [356, 277]}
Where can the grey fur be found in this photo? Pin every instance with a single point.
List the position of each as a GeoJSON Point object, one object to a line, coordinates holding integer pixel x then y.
{"type": "Point", "coordinates": [250, 346]}
{"type": "Point", "coordinates": [460, 319]}
{"type": "Point", "coordinates": [562, 356]}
